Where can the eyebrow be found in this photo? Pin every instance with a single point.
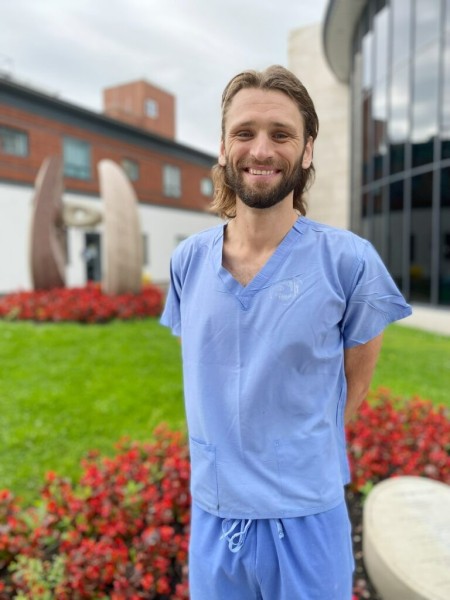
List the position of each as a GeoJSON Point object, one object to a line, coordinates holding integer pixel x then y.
{"type": "Point", "coordinates": [276, 124]}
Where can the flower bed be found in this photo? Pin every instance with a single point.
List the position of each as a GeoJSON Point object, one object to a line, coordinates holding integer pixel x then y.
{"type": "Point", "coordinates": [122, 532]}
{"type": "Point", "coordinates": [390, 437]}
{"type": "Point", "coordinates": [85, 305]}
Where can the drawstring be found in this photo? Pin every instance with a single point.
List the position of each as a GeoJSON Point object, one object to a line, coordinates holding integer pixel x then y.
{"type": "Point", "coordinates": [236, 541]}
{"type": "Point", "coordinates": [280, 529]}
{"type": "Point", "coordinates": [235, 544]}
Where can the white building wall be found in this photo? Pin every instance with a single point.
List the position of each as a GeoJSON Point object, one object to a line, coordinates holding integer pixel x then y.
{"type": "Point", "coordinates": [15, 210]}
{"type": "Point", "coordinates": [76, 267]}
{"type": "Point", "coordinates": [164, 228]}
{"type": "Point", "coordinates": [329, 198]}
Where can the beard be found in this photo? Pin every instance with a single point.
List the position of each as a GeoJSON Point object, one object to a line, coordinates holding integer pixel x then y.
{"type": "Point", "coordinates": [262, 195]}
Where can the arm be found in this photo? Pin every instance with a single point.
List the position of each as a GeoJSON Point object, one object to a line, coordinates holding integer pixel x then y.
{"type": "Point", "coordinates": [359, 363]}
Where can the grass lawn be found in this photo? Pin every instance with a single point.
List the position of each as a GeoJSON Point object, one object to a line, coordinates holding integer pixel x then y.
{"type": "Point", "coordinates": [68, 388]}
{"type": "Point", "coordinates": [414, 362]}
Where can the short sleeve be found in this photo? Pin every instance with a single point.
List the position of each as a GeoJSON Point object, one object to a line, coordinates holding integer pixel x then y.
{"type": "Point", "coordinates": [374, 301]}
{"type": "Point", "coordinates": [171, 316]}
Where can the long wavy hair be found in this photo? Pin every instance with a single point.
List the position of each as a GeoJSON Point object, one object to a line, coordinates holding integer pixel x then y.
{"type": "Point", "coordinates": [275, 78]}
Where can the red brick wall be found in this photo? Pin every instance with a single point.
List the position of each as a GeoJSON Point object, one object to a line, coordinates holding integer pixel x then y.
{"type": "Point", "coordinates": [127, 103]}
{"type": "Point", "coordinates": [46, 139]}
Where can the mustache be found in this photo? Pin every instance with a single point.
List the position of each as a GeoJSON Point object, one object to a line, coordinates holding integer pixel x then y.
{"type": "Point", "coordinates": [268, 162]}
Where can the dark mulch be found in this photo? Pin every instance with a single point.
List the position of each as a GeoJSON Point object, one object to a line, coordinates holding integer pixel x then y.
{"type": "Point", "coordinates": [363, 587]}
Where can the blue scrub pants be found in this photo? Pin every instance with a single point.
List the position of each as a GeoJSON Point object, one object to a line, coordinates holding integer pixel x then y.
{"type": "Point", "coordinates": [304, 558]}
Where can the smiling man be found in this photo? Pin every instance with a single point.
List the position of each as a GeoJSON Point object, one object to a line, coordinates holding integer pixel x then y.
{"type": "Point", "coordinates": [265, 178]}
{"type": "Point", "coordinates": [281, 320]}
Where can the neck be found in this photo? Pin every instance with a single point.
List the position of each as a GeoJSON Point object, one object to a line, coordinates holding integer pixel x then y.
{"type": "Point", "coordinates": [261, 229]}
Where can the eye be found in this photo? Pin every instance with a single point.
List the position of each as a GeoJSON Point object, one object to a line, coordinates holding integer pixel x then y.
{"type": "Point", "coordinates": [244, 134]}
{"type": "Point", "coordinates": [280, 136]}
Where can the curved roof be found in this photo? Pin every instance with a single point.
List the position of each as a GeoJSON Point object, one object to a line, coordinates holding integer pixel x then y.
{"type": "Point", "coordinates": [340, 21]}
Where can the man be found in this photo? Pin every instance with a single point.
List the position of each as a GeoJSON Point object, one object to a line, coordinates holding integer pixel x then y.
{"type": "Point", "coordinates": [281, 321]}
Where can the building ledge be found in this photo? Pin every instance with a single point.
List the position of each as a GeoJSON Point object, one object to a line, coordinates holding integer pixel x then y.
{"type": "Point", "coordinates": [340, 21]}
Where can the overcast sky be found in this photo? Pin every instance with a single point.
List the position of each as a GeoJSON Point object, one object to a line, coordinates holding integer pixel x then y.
{"type": "Point", "coordinates": [191, 48]}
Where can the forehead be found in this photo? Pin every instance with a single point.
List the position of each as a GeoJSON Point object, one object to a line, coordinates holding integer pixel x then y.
{"type": "Point", "coordinates": [252, 104]}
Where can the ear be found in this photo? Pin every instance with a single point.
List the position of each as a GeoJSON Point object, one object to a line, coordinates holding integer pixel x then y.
{"type": "Point", "coordinates": [308, 153]}
{"type": "Point", "coordinates": [222, 157]}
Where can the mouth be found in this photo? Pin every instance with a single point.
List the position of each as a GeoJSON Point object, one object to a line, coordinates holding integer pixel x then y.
{"type": "Point", "coordinates": [265, 172]}
{"type": "Point", "coordinates": [262, 171]}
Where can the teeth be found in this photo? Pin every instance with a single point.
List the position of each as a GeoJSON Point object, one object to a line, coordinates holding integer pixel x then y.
{"type": "Point", "coordinates": [260, 172]}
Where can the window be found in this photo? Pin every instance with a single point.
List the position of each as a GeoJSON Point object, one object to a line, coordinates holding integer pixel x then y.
{"type": "Point", "coordinates": [367, 44]}
{"type": "Point", "coordinates": [425, 107]}
{"type": "Point", "coordinates": [395, 229]}
{"type": "Point", "coordinates": [398, 126]}
{"type": "Point", "coordinates": [13, 141]}
{"type": "Point", "coordinates": [445, 127]}
{"type": "Point", "coordinates": [151, 109]}
{"type": "Point", "coordinates": [172, 181]}
{"type": "Point", "coordinates": [444, 260]}
{"type": "Point", "coordinates": [77, 158]}
{"type": "Point", "coordinates": [420, 266]}
{"type": "Point", "coordinates": [206, 186]}
{"type": "Point", "coordinates": [401, 25]}
{"type": "Point", "coordinates": [427, 21]}
{"type": "Point", "coordinates": [131, 168]}
{"type": "Point", "coordinates": [381, 30]}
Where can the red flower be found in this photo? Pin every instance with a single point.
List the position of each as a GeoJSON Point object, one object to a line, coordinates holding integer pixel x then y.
{"type": "Point", "coordinates": [122, 531]}
{"type": "Point", "coordinates": [85, 305]}
{"type": "Point", "coordinates": [391, 437]}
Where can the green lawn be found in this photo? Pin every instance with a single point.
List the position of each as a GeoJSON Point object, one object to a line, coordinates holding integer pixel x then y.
{"type": "Point", "coordinates": [67, 388]}
{"type": "Point", "coordinates": [414, 362]}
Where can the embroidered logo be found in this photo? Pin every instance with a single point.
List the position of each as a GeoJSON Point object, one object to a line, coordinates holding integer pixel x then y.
{"type": "Point", "coordinates": [286, 291]}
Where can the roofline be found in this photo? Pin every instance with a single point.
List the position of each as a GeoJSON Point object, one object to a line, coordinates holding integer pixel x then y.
{"type": "Point", "coordinates": [341, 18]}
{"type": "Point", "coordinates": [8, 84]}
{"type": "Point", "coordinates": [142, 80]}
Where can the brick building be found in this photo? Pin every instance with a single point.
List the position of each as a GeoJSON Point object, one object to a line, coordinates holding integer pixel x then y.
{"type": "Point", "coordinates": [137, 131]}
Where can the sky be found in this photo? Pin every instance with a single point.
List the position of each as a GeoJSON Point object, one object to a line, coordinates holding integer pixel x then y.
{"type": "Point", "coordinates": [190, 48]}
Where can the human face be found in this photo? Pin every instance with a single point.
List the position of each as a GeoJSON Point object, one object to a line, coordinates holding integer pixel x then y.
{"type": "Point", "coordinates": [263, 149]}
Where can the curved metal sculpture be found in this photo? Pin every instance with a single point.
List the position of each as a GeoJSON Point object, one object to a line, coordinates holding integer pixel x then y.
{"type": "Point", "coordinates": [48, 233]}
{"type": "Point", "coordinates": [122, 238]}
{"type": "Point", "coordinates": [50, 219]}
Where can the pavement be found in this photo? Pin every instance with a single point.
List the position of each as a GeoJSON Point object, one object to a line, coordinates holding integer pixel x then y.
{"type": "Point", "coordinates": [435, 320]}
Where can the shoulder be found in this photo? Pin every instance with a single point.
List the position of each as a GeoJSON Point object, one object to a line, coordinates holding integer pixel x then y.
{"type": "Point", "coordinates": [342, 254]}
{"type": "Point", "coordinates": [340, 242]}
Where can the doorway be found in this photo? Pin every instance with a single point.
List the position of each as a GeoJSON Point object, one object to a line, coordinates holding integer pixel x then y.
{"type": "Point", "coordinates": [93, 257]}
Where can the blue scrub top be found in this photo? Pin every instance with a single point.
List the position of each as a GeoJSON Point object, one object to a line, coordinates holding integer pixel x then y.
{"type": "Point", "coordinates": [263, 366]}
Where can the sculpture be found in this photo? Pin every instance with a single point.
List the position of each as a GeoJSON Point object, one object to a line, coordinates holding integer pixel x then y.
{"type": "Point", "coordinates": [123, 239]}
{"type": "Point", "coordinates": [50, 219]}
{"type": "Point", "coordinates": [48, 234]}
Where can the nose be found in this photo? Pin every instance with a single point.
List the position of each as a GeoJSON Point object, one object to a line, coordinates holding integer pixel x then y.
{"type": "Point", "coordinates": [261, 148]}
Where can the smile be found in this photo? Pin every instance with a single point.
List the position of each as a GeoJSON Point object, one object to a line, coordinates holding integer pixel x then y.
{"type": "Point", "coordinates": [264, 172]}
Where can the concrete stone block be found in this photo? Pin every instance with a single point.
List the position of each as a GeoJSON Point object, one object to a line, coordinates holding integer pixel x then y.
{"type": "Point", "coordinates": [406, 544]}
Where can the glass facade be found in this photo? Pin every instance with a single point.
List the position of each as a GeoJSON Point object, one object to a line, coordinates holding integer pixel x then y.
{"type": "Point", "coordinates": [401, 122]}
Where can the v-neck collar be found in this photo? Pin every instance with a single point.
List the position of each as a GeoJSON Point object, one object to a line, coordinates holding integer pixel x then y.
{"type": "Point", "coordinates": [264, 276]}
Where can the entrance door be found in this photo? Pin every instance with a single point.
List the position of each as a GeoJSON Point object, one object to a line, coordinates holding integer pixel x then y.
{"type": "Point", "coordinates": [92, 256]}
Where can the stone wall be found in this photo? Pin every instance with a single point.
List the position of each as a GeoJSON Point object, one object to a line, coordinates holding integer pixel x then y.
{"type": "Point", "coordinates": [329, 198]}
